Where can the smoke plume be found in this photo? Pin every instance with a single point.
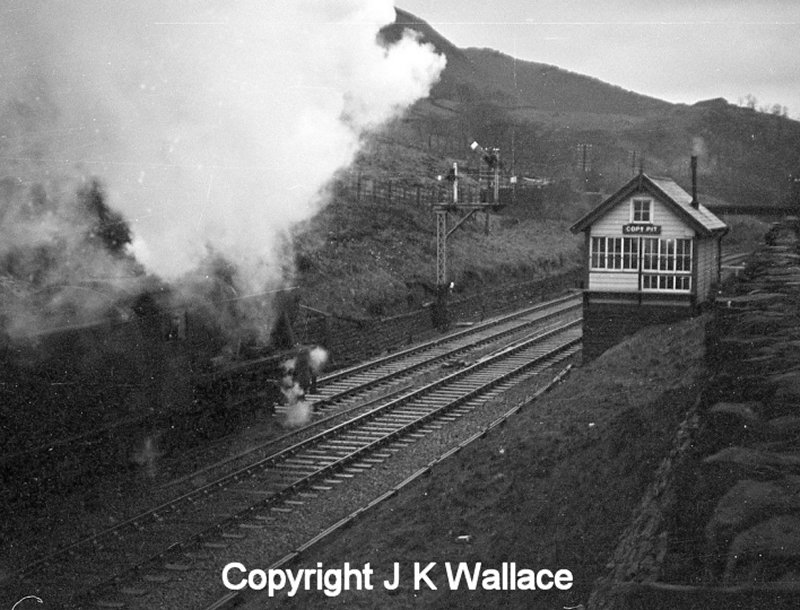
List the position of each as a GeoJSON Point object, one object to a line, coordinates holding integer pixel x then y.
{"type": "Point", "coordinates": [63, 256]}
{"type": "Point", "coordinates": [213, 125]}
{"type": "Point", "coordinates": [298, 413]}
{"type": "Point", "coordinates": [698, 146]}
{"type": "Point", "coordinates": [147, 457]}
{"type": "Point", "coordinates": [318, 358]}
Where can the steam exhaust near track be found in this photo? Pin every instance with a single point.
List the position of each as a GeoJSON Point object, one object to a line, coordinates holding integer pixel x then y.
{"type": "Point", "coordinates": [300, 377]}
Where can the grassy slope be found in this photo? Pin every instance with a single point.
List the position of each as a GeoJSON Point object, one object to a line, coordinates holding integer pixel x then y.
{"type": "Point", "coordinates": [553, 489]}
{"type": "Point", "coordinates": [357, 259]}
{"type": "Point", "coordinates": [548, 87]}
{"type": "Point", "coordinates": [745, 233]}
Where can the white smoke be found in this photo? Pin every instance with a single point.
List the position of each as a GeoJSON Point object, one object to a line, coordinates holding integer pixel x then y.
{"type": "Point", "coordinates": [298, 414]}
{"type": "Point", "coordinates": [698, 146]}
{"type": "Point", "coordinates": [298, 410]}
{"type": "Point", "coordinates": [299, 373]}
{"type": "Point", "coordinates": [318, 358]}
{"type": "Point", "coordinates": [213, 124]}
{"type": "Point", "coordinates": [147, 456]}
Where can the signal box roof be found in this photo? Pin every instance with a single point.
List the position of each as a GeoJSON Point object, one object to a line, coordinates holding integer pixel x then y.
{"type": "Point", "coordinates": [667, 191]}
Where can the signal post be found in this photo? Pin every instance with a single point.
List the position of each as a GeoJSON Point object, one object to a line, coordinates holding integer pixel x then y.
{"type": "Point", "coordinates": [461, 212]}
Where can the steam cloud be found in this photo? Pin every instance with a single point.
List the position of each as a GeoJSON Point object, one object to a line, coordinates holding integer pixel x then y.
{"type": "Point", "coordinates": [298, 414]}
{"type": "Point", "coordinates": [698, 146]}
{"type": "Point", "coordinates": [299, 375]}
{"type": "Point", "coordinates": [213, 125]}
{"type": "Point", "coordinates": [147, 456]}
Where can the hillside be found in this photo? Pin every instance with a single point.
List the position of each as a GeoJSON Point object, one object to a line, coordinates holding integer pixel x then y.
{"type": "Point", "coordinates": [505, 80]}
{"type": "Point", "coordinates": [546, 87]}
{"type": "Point", "coordinates": [539, 114]}
{"type": "Point", "coordinates": [374, 239]}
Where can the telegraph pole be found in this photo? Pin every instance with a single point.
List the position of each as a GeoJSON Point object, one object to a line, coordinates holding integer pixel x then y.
{"type": "Point", "coordinates": [585, 163]}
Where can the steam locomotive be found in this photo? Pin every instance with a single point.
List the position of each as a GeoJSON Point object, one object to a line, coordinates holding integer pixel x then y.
{"type": "Point", "coordinates": [80, 398]}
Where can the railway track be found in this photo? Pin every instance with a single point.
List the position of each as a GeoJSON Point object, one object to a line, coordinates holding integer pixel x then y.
{"type": "Point", "coordinates": [340, 392]}
{"type": "Point", "coordinates": [733, 259]}
{"type": "Point", "coordinates": [345, 392]}
{"type": "Point", "coordinates": [341, 384]}
{"type": "Point", "coordinates": [158, 543]}
{"type": "Point", "coordinates": [248, 599]}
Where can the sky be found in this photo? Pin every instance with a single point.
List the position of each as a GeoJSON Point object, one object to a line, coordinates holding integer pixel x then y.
{"type": "Point", "coordinates": [680, 51]}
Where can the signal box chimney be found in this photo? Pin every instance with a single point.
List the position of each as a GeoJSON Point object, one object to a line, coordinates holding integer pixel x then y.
{"type": "Point", "coordinates": [695, 203]}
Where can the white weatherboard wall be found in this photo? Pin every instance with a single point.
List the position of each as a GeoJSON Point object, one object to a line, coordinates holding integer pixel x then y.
{"type": "Point", "coordinates": [614, 281]}
{"type": "Point", "coordinates": [707, 266]}
{"type": "Point", "coordinates": [611, 223]}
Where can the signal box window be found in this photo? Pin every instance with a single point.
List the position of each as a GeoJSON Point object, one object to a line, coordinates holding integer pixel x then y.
{"type": "Point", "coordinates": [615, 253]}
{"type": "Point", "coordinates": [641, 210]}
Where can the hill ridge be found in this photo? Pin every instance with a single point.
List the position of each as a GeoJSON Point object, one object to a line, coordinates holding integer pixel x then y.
{"type": "Point", "coordinates": [543, 115]}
